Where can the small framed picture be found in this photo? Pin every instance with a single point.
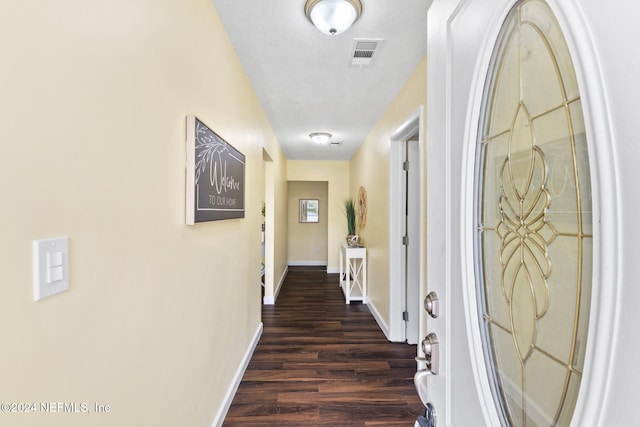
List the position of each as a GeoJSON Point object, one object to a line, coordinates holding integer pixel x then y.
{"type": "Point", "coordinates": [309, 210]}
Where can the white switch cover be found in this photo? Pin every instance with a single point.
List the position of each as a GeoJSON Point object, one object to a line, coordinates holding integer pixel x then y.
{"type": "Point", "coordinates": [50, 267]}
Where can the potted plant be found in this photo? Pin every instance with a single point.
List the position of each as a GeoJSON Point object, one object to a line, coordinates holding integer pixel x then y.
{"type": "Point", "coordinates": [350, 212]}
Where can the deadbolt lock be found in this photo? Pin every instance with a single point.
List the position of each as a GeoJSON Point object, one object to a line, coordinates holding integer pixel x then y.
{"type": "Point", "coordinates": [432, 304]}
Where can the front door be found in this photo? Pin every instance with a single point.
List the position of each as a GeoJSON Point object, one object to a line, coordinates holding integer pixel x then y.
{"type": "Point", "coordinates": [521, 227]}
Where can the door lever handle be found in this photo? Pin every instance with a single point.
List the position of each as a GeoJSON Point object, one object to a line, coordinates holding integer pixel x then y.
{"type": "Point", "coordinates": [420, 381]}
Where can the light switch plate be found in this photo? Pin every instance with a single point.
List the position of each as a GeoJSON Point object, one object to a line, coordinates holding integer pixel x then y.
{"type": "Point", "coordinates": [50, 267]}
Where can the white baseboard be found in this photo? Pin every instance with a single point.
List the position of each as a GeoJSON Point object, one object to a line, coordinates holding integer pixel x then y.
{"type": "Point", "coordinates": [271, 300]}
{"type": "Point", "coordinates": [314, 264]}
{"type": "Point", "coordinates": [268, 300]}
{"type": "Point", "coordinates": [231, 392]}
{"type": "Point", "coordinates": [381, 323]}
{"type": "Point", "coordinates": [307, 263]}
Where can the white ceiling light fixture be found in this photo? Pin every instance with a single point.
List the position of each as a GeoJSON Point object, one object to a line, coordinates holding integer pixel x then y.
{"type": "Point", "coordinates": [333, 16]}
{"type": "Point", "coordinates": [320, 137]}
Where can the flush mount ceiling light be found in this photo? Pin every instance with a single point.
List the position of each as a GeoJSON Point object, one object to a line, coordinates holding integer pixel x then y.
{"type": "Point", "coordinates": [320, 137]}
{"type": "Point", "coordinates": [333, 16]}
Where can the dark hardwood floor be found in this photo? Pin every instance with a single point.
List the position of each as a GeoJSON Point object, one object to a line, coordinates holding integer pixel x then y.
{"type": "Point", "coordinates": [321, 362]}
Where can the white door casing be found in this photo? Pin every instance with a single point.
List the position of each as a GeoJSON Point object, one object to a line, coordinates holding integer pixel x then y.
{"type": "Point", "coordinates": [462, 35]}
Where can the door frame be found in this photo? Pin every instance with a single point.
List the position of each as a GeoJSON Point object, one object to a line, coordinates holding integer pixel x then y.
{"type": "Point", "coordinates": [397, 293]}
{"type": "Point", "coordinates": [270, 293]}
{"type": "Point", "coordinates": [451, 201]}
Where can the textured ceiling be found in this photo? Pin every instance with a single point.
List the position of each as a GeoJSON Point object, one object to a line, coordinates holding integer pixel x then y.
{"type": "Point", "coordinates": [304, 79]}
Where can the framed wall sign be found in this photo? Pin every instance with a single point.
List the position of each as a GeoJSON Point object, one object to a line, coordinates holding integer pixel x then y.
{"type": "Point", "coordinates": [215, 176]}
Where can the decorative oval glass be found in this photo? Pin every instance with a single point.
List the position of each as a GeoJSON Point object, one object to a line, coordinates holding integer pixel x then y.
{"type": "Point", "coordinates": [533, 216]}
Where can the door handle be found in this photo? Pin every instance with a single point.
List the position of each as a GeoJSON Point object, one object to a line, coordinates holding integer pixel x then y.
{"type": "Point", "coordinates": [420, 381]}
{"type": "Point", "coordinates": [431, 349]}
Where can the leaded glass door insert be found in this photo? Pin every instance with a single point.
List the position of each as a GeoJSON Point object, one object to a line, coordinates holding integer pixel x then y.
{"type": "Point", "coordinates": [533, 210]}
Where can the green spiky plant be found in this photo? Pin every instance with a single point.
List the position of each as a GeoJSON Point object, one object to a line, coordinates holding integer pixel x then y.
{"type": "Point", "coordinates": [350, 212]}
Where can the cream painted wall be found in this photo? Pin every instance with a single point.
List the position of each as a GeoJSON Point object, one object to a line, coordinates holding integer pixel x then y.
{"type": "Point", "coordinates": [336, 173]}
{"type": "Point", "coordinates": [370, 168]}
{"type": "Point", "coordinates": [308, 241]}
{"type": "Point", "coordinates": [92, 145]}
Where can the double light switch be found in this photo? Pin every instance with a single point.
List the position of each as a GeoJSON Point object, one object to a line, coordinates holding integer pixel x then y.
{"type": "Point", "coordinates": [50, 267]}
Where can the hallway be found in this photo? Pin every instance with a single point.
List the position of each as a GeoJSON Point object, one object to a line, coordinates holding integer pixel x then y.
{"type": "Point", "coordinates": [321, 362]}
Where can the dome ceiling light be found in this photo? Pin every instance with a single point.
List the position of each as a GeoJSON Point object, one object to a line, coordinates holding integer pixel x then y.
{"type": "Point", "coordinates": [333, 16]}
{"type": "Point", "coordinates": [320, 137]}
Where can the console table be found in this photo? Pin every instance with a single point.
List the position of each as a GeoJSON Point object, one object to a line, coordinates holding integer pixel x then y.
{"type": "Point", "coordinates": [353, 272]}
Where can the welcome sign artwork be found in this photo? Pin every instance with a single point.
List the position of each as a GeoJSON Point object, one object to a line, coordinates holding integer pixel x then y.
{"type": "Point", "coordinates": [215, 176]}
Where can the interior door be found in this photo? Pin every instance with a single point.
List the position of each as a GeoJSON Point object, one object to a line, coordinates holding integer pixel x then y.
{"type": "Point", "coordinates": [522, 229]}
{"type": "Point", "coordinates": [411, 258]}
{"type": "Point", "coordinates": [406, 225]}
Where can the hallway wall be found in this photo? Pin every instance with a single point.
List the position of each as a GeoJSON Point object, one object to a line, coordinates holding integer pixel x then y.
{"type": "Point", "coordinates": [336, 173]}
{"type": "Point", "coordinates": [308, 241]}
{"type": "Point", "coordinates": [370, 168]}
{"type": "Point", "coordinates": [159, 315]}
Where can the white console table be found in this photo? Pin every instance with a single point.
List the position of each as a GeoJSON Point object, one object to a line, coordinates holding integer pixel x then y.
{"type": "Point", "coordinates": [353, 272]}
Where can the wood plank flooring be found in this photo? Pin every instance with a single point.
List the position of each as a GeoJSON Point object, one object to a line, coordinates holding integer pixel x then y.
{"type": "Point", "coordinates": [321, 362]}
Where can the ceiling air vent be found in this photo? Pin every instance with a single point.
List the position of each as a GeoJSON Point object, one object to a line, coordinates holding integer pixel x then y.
{"type": "Point", "coordinates": [364, 51]}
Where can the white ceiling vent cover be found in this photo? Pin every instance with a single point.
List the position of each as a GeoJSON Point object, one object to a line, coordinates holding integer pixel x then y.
{"type": "Point", "coordinates": [364, 51]}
